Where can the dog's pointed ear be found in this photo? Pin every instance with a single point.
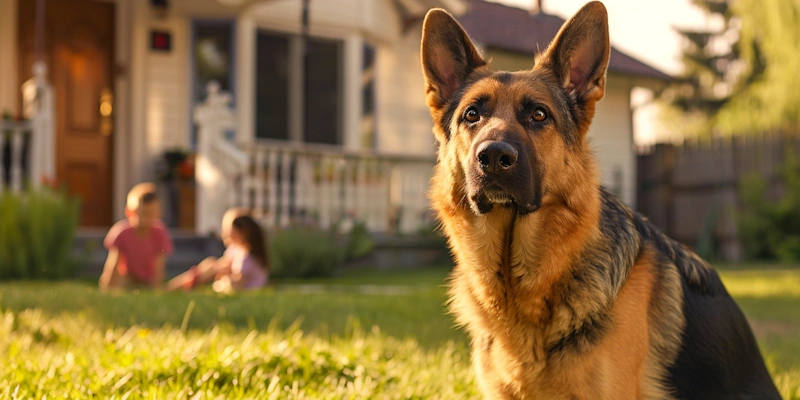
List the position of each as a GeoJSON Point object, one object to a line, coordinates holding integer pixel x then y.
{"type": "Point", "coordinates": [448, 56]}
{"type": "Point", "coordinates": [579, 53]}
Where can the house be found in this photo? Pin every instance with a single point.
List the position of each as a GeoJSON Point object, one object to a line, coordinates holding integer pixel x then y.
{"type": "Point", "coordinates": [305, 110]}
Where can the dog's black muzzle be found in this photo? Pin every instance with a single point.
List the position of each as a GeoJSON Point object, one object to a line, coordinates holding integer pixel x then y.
{"type": "Point", "coordinates": [502, 174]}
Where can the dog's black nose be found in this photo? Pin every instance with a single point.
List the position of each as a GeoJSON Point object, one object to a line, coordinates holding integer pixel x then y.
{"type": "Point", "coordinates": [496, 156]}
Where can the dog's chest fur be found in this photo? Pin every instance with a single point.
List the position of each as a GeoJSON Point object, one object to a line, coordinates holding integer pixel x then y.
{"type": "Point", "coordinates": [530, 314]}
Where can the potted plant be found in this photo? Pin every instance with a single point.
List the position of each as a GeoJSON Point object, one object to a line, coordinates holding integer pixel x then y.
{"type": "Point", "coordinates": [176, 173]}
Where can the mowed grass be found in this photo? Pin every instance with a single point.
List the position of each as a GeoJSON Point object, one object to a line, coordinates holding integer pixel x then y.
{"type": "Point", "coordinates": [373, 335]}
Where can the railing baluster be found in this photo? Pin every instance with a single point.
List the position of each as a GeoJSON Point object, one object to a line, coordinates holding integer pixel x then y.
{"type": "Point", "coordinates": [257, 182]}
{"type": "Point", "coordinates": [17, 140]}
{"type": "Point", "coordinates": [349, 182]}
{"type": "Point", "coordinates": [325, 177]}
{"type": "Point", "coordinates": [246, 184]}
{"type": "Point", "coordinates": [272, 188]}
{"type": "Point", "coordinates": [361, 199]}
{"type": "Point", "coordinates": [286, 165]}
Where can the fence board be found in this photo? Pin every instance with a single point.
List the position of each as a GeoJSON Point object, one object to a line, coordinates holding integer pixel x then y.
{"type": "Point", "coordinates": [694, 188]}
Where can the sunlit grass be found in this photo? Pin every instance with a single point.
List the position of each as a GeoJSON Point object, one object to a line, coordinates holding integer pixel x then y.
{"type": "Point", "coordinates": [768, 283]}
{"type": "Point", "coordinates": [340, 339]}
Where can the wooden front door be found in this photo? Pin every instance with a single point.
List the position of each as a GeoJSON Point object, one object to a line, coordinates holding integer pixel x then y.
{"type": "Point", "coordinates": [77, 46]}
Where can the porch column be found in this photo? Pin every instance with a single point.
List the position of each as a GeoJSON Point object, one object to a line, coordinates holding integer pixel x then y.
{"type": "Point", "coordinates": [245, 79]}
{"type": "Point", "coordinates": [352, 91]}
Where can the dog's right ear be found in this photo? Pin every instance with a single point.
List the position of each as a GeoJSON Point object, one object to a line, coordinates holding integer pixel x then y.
{"type": "Point", "coordinates": [448, 57]}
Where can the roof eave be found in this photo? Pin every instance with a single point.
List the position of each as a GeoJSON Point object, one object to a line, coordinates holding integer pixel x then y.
{"type": "Point", "coordinates": [417, 8]}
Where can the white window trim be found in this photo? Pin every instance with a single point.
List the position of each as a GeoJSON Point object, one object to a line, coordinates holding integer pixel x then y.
{"type": "Point", "coordinates": [247, 28]}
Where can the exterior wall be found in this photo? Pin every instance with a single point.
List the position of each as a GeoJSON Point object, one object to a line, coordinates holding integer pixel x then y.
{"type": "Point", "coordinates": [167, 86]}
{"type": "Point", "coordinates": [507, 61]}
{"type": "Point", "coordinates": [403, 120]}
{"type": "Point", "coordinates": [611, 138]}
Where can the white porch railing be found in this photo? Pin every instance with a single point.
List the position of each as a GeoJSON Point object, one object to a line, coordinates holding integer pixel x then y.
{"type": "Point", "coordinates": [38, 128]}
{"type": "Point", "coordinates": [306, 184]}
{"type": "Point", "coordinates": [39, 108]}
{"type": "Point", "coordinates": [219, 164]}
{"type": "Point", "coordinates": [293, 183]}
{"type": "Point", "coordinates": [12, 153]}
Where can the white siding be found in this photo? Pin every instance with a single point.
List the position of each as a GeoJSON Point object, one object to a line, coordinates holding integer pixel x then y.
{"type": "Point", "coordinates": [167, 89]}
{"type": "Point", "coordinates": [611, 137]}
{"type": "Point", "coordinates": [404, 122]}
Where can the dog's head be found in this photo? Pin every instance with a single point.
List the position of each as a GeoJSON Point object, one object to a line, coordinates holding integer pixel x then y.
{"type": "Point", "coordinates": [506, 136]}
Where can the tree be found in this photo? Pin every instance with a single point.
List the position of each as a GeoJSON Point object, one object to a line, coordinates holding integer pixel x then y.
{"type": "Point", "coordinates": [713, 68]}
{"type": "Point", "coordinates": [742, 77]}
{"type": "Point", "coordinates": [769, 99]}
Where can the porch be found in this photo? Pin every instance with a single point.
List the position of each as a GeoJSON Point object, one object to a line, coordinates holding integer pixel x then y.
{"type": "Point", "coordinates": [284, 183]}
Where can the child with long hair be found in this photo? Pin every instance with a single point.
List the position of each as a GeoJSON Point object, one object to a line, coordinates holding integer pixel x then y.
{"type": "Point", "coordinates": [245, 264]}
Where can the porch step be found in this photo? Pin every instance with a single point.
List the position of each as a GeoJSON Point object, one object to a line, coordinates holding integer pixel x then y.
{"type": "Point", "coordinates": [189, 249]}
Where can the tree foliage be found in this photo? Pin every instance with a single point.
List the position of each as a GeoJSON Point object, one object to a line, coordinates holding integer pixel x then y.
{"type": "Point", "coordinates": [741, 76]}
{"type": "Point", "coordinates": [771, 99]}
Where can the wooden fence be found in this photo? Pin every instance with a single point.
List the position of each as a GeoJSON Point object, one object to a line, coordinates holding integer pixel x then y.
{"type": "Point", "coordinates": [691, 192]}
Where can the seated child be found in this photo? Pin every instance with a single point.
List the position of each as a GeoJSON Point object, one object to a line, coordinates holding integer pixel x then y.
{"type": "Point", "coordinates": [244, 265]}
{"type": "Point", "coordinates": [138, 245]}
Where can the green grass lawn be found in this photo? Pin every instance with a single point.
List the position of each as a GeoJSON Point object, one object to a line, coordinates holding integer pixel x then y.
{"type": "Point", "coordinates": [363, 335]}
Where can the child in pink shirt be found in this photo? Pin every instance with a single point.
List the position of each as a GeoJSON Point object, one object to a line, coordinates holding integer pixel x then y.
{"type": "Point", "coordinates": [244, 265]}
{"type": "Point", "coordinates": [138, 245]}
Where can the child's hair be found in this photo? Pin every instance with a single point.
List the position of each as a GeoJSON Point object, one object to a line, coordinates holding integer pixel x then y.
{"type": "Point", "coordinates": [142, 193]}
{"type": "Point", "coordinates": [233, 213]}
{"type": "Point", "coordinates": [254, 237]}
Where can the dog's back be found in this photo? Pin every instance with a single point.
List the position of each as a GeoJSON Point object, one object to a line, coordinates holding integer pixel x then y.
{"type": "Point", "coordinates": [718, 356]}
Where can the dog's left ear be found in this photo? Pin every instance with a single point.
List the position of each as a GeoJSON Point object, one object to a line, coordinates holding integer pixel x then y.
{"type": "Point", "coordinates": [448, 56]}
{"type": "Point", "coordinates": [579, 53]}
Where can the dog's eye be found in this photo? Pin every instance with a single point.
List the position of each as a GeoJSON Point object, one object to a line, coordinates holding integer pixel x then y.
{"type": "Point", "coordinates": [472, 115]}
{"type": "Point", "coordinates": [539, 114]}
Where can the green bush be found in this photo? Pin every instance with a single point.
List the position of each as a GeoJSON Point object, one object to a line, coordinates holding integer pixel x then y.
{"type": "Point", "coordinates": [302, 252]}
{"type": "Point", "coordinates": [770, 230]}
{"type": "Point", "coordinates": [37, 230]}
{"type": "Point", "coordinates": [359, 240]}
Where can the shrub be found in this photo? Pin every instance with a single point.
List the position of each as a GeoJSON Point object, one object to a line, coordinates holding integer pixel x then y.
{"type": "Point", "coordinates": [769, 229]}
{"type": "Point", "coordinates": [355, 237]}
{"type": "Point", "coordinates": [303, 252]}
{"type": "Point", "coordinates": [37, 230]}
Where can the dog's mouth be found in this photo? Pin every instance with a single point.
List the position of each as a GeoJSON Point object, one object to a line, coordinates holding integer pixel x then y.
{"type": "Point", "coordinates": [484, 201]}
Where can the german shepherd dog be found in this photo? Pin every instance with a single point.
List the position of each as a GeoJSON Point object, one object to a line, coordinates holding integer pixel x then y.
{"type": "Point", "coordinates": [565, 291]}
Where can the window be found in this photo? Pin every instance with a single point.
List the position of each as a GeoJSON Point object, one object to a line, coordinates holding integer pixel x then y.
{"type": "Point", "coordinates": [298, 98]}
{"type": "Point", "coordinates": [212, 56]}
{"type": "Point", "coordinates": [272, 86]}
